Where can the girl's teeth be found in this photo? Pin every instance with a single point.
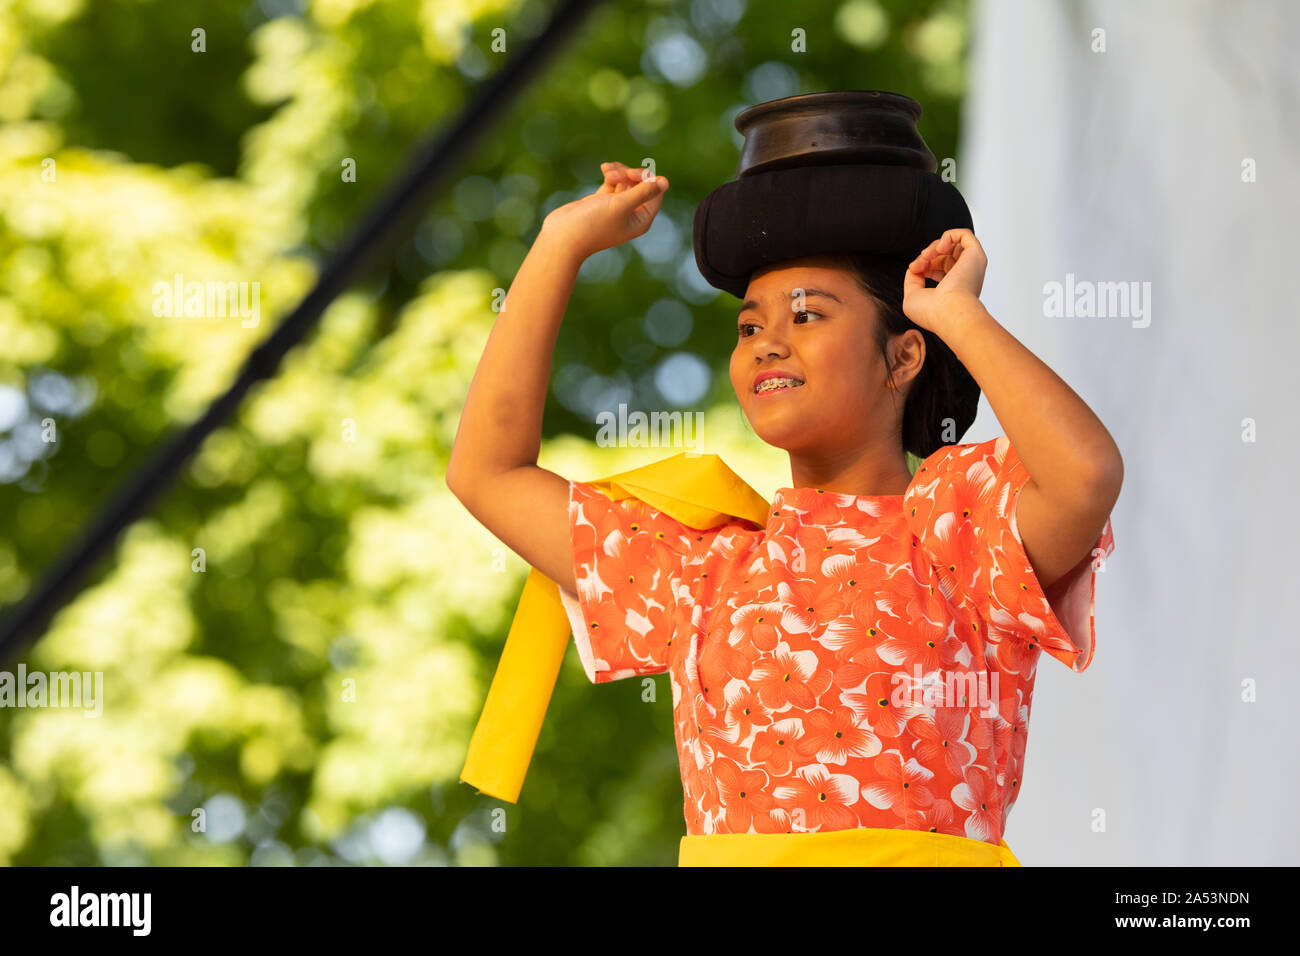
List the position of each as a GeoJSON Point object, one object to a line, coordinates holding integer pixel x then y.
{"type": "Point", "coordinates": [773, 384]}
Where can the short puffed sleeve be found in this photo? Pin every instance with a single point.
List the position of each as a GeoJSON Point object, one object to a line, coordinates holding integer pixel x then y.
{"type": "Point", "coordinates": [635, 570]}
{"type": "Point", "coordinates": [961, 507]}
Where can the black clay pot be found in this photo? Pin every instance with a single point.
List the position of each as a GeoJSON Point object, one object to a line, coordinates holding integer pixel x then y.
{"type": "Point", "coordinates": [835, 128]}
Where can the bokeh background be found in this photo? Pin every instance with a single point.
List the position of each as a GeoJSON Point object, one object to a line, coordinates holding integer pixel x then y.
{"type": "Point", "coordinates": [313, 689]}
{"type": "Point", "coordinates": [328, 559]}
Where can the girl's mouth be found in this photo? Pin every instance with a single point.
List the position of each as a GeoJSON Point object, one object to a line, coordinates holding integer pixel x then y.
{"type": "Point", "coordinates": [777, 386]}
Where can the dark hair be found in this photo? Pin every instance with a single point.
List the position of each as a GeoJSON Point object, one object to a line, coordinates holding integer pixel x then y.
{"type": "Point", "coordinates": [942, 387]}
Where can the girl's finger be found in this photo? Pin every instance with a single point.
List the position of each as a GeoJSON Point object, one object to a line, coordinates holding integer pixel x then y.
{"type": "Point", "coordinates": [647, 188]}
{"type": "Point", "coordinates": [650, 208]}
{"type": "Point", "coordinates": [612, 180]}
{"type": "Point", "coordinates": [965, 239]}
{"type": "Point", "coordinates": [613, 172]}
{"type": "Point", "coordinates": [622, 171]}
{"type": "Point", "coordinates": [650, 189]}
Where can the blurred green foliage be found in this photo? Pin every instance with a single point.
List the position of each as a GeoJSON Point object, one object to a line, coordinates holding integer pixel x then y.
{"type": "Point", "coordinates": [312, 689]}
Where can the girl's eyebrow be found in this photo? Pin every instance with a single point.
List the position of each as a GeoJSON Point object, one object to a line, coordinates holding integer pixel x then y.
{"type": "Point", "coordinates": [808, 293]}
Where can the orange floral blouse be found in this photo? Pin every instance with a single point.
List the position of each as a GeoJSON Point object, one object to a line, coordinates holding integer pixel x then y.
{"type": "Point", "coordinates": [861, 661]}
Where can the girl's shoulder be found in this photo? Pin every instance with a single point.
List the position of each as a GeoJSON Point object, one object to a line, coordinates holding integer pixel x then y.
{"type": "Point", "coordinates": [951, 461]}
{"type": "Point", "coordinates": [959, 493]}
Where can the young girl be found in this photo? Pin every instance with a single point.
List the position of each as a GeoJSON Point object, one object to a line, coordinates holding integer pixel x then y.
{"type": "Point", "coordinates": [851, 680]}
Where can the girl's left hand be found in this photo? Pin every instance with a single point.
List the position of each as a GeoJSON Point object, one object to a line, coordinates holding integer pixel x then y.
{"type": "Point", "coordinates": [957, 262]}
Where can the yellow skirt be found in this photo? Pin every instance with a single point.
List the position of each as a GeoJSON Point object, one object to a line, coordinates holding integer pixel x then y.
{"type": "Point", "coordinates": [863, 846]}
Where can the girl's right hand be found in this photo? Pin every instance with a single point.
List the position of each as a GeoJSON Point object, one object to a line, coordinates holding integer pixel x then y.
{"type": "Point", "coordinates": [621, 209]}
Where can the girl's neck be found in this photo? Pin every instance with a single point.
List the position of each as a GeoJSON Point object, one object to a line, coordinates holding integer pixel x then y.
{"type": "Point", "coordinates": [863, 472]}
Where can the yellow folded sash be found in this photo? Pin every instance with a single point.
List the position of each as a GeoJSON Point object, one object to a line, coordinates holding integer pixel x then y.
{"type": "Point", "coordinates": [700, 491]}
{"type": "Point", "coordinates": [863, 846]}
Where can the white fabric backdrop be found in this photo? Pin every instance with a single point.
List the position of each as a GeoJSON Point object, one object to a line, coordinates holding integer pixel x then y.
{"type": "Point", "coordinates": [1127, 166]}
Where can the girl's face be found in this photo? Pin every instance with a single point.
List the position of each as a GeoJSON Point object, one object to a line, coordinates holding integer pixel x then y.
{"type": "Point", "coordinates": [826, 340]}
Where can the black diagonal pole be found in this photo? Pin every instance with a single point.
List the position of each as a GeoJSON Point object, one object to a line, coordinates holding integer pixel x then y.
{"type": "Point", "coordinates": [385, 219]}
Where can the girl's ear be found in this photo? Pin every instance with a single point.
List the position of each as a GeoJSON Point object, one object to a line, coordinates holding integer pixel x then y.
{"type": "Point", "coordinates": [907, 352]}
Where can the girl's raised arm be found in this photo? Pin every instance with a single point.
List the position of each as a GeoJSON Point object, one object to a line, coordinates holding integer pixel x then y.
{"type": "Point", "coordinates": [493, 468]}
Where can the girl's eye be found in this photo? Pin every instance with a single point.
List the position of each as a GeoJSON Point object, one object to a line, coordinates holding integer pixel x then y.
{"type": "Point", "coordinates": [749, 325]}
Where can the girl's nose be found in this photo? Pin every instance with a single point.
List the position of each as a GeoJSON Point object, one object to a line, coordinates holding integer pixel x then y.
{"type": "Point", "coordinates": [769, 342]}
